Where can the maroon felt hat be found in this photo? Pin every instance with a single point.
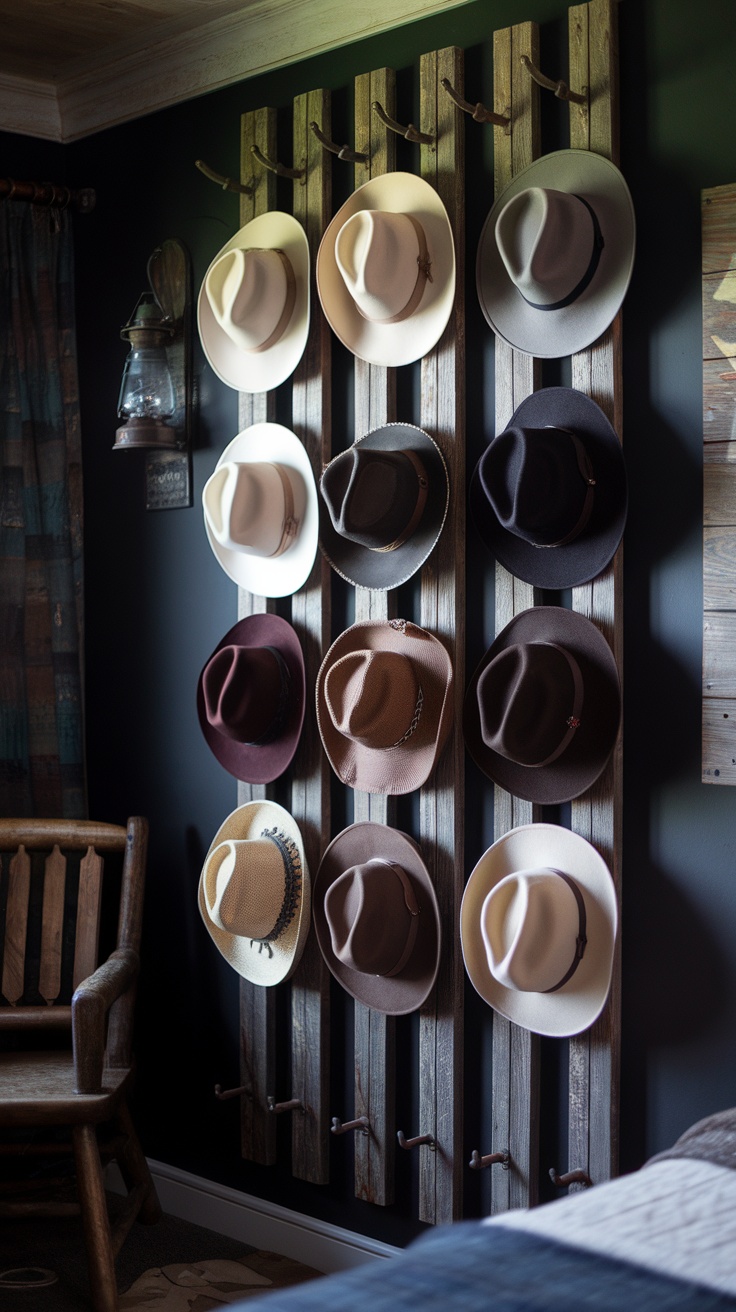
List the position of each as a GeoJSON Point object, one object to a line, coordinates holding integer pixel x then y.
{"type": "Point", "coordinates": [251, 698]}
{"type": "Point", "coordinates": [377, 919]}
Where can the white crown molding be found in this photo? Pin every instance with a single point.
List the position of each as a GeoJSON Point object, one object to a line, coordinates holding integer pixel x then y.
{"type": "Point", "coordinates": [264, 35]}
{"type": "Point", "coordinates": [256, 1222]}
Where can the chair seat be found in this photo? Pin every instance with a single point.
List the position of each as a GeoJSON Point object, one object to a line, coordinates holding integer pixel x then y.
{"type": "Point", "coordinates": [37, 1088]}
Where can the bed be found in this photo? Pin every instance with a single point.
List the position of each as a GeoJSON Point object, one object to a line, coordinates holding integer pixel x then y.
{"type": "Point", "coordinates": [662, 1239]}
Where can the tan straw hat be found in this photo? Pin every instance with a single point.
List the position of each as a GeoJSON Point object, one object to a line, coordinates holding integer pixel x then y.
{"type": "Point", "coordinates": [384, 705]}
{"type": "Point", "coordinates": [538, 927]}
{"type": "Point", "coordinates": [254, 892]}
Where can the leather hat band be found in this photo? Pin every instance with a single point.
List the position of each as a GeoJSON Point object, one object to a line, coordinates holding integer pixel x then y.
{"type": "Point", "coordinates": [581, 940]}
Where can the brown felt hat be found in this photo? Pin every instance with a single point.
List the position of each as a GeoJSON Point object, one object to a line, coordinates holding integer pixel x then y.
{"type": "Point", "coordinates": [377, 919]}
{"type": "Point", "coordinates": [384, 705]}
{"type": "Point", "coordinates": [384, 503]}
{"type": "Point", "coordinates": [542, 709]}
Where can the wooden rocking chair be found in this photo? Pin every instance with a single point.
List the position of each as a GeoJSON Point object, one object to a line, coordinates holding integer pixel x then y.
{"type": "Point", "coordinates": [52, 871]}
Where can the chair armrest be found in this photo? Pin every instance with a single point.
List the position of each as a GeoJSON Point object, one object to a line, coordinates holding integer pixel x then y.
{"type": "Point", "coordinates": [91, 1002]}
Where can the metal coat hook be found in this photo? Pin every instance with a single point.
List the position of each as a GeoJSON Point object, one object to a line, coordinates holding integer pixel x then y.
{"type": "Point", "coordinates": [275, 167]}
{"type": "Point", "coordinates": [223, 1094]}
{"type": "Point", "coordinates": [414, 1143]}
{"type": "Point", "coordinates": [478, 111]}
{"type": "Point", "coordinates": [293, 1105]}
{"type": "Point", "coordinates": [560, 88]}
{"type": "Point", "coordinates": [227, 184]}
{"type": "Point", "coordinates": [342, 152]}
{"type": "Point", "coordinates": [577, 1176]}
{"type": "Point", "coordinates": [410, 133]}
{"type": "Point", "coordinates": [478, 1163]}
{"type": "Point", "coordinates": [361, 1124]}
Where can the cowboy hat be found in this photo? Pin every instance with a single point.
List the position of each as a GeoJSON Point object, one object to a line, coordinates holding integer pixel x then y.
{"type": "Point", "coordinates": [542, 709]}
{"type": "Point", "coordinates": [250, 698]}
{"type": "Point", "coordinates": [384, 705]}
{"type": "Point", "coordinates": [254, 892]}
{"type": "Point", "coordinates": [384, 503]}
{"type": "Point", "coordinates": [386, 270]}
{"type": "Point", "coordinates": [376, 918]}
{"type": "Point", "coordinates": [538, 927]}
{"type": "Point", "coordinates": [261, 512]}
{"type": "Point", "coordinates": [548, 496]}
{"type": "Point", "coordinates": [556, 253]}
{"type": "Point", "coordinates": [253, 306]}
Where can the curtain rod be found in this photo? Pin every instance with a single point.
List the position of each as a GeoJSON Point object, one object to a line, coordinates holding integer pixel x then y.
{"type": "Point", "coordinates": [45, 193]}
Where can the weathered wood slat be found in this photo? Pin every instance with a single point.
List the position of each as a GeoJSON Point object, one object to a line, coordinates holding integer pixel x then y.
{"type": "Point", "coordinates": [88, 916]}
{"type": "Point", "coordinates": [719, 653]}
{"type": "Point", "coordinates": [16, 924]}
{"type": "Point", "coordinates": [719, 739]}
{"type": "Point", "coordinates": [717, 228]}
{"type": "Point", "coordinates": [442, 611]}
{"type": "Point", "coordinates": [310, 795]}
{"type": "Point", "coordinates": [719, 567]}
{"type": "Point", "coordinates": [52, 919]}
{"type": "Point", "coordinates": [719, 402]}
{"type": "Point", "coordinates": [719, 317]}
{"type": "Point", "coordinates": [515, 1080]}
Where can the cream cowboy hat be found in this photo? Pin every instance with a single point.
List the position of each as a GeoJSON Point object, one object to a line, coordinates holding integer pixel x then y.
{"type": "Point", "coordinates": [386, 270]}
{"type": "Point", "coordinates": [261, 511]}
{"type": "Point", "coordinates": [254, 892]}
{"type": "Point", "coordinates": [556, 253]}
{"type": "Point", "coordinates": [253, 307]}
{"type": "Point", "coordinates": [538, 927]}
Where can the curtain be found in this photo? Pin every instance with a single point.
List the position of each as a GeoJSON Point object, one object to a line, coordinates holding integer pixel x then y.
{"type": "Point", "coordinates": [41, 684]}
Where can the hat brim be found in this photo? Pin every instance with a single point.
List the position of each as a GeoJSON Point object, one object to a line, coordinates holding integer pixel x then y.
{"type": "Point", "coordinates": [259, 371]}
{"type": "Point", "coordinates": [253, 764]}
{"type": "Point", "coordinates": [584, 558]}
{"type": "Point", "coordinates": [395, 995]}
{"type": "Point", "coordinates": [400, 769]}
{"type": "Point", "coordinates": [399, 343]}
{"type": "Point", "coordinates": [273, 576]}
{"type": "Point", "coordinates": [585, 757]}
{"type": "Point", "coordinates": [249, 959]}
{"type": "Point", "coordinates": [549, 334]}
{"type": "Point", "coordinates": [381, 570]}
{"type": "Point", "coordinates": [575, 1006]}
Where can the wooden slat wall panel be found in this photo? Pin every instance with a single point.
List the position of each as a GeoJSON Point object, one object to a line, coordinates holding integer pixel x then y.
{"type": "Point", "coordinates": [310, 994]}
{"type": "Point", "coordinates": [515, 1086]}
{"type": "Point", "coordinates": [375, 404]}
{"type": "Point", "coordinates": [88, 915]}
{"type": "Point", "coordinates": [597, 816]}
{"type": "Point", "coordinates": [443, 613]}
{"type": "Point", "coordinates": [54, 882]}
{"type": "Point", "coordinates": [719, 739]}
{"type": "Point", "coordinates": [16, 924]}
{"type": "Point", "coordinates": [257, 1005]}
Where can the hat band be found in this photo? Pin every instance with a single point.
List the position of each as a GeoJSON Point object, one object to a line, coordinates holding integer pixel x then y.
{"type": "Point", "coordinates": [292, 887]}
{"type": "Point", "coordinates": [422, 490]}
{"type": "Point", "coordinates": [424, 275]}
{"type": "Point", "coordinates": [412, 906]}
{"type": "Point", "coordinates": [291, 523]}
{"type": "Point", "coordinates": [277, 723]}
{"type": "Point", "coordinates": [289, 303]}
{"type": "Point", "coordinates": [414, 721]}
{"type": "Point", "coordinates": [586, 473]}
{"type": "Point", "coordinates": [577, 291]}
{"type": "Point", "coordinates": [573, 720]}
{"type": "Point", "coordinates": [581, 940]}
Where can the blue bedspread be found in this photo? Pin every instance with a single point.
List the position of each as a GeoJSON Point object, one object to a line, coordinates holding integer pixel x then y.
{"type": "Point", "coordinates": [478, 1268]}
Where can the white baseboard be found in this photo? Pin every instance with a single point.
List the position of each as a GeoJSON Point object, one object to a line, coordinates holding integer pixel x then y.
{"type": "Point", "coordinates": [259, 1223]}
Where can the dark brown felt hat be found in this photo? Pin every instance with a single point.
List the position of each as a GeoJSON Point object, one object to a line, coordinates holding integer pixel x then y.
{"type": "Point", "coordinates": [543, 708]}
{"type": "Point", "coordinates": [377, 919]}
{"type": "Point", "coordinates": [383, 506]}
{"type": "Point", "coordinates": [251, 698]}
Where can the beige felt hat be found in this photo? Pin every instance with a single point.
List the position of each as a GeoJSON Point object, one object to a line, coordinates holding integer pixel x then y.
{"type": "Point", "coordinates": [386, 270]}
{"type": "Point", "coordinates": [253, 307]}
{"type": "Point", "coordinates": [538, 926]}
{"type": "Point", "coordinates": [261, 511]}
{"type": "Point", "coordinates": [254, 892]}
{"type": "Point", "coordinates": [556, 254]}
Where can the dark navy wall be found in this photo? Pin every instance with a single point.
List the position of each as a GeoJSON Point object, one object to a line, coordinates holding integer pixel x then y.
{"type": "Point", "coordinates": [157, 603]}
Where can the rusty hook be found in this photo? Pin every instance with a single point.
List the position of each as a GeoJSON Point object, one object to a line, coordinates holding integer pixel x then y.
{"type": "Point", "coordinates": [478, 1163]}
{"type": "Point", "coordinates": [293, 1105]}
{"type": "Point", "coordinates": [227, 184]}
{"type": "Point", "coordinates": [478, 111]}
{"type": "Point", "coordinates": [578, 1176]}
{"type": "Point", "coordinates": [410, 133]}
{"type": "Point", "coordinates": [342, 152]}
{"type": "Point", "coordinates": [275, 167]}
{"type": "Point", "coordinates": [414, 1143]}
{"type": "Point", "coordinates": [361, 1123]}
{"type": "Point", "coordinates": [560, 88]}
{"type": "Point", "coordinates": [223, 1094]}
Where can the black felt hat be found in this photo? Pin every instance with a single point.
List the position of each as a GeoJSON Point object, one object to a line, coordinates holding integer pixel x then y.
{"type": "Point", "coordinates": [549, 495]}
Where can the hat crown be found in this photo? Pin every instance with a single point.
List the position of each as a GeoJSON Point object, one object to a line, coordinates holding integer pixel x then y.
{"type": "Point", "coordinates": [372, 495]}
{"type": "Point", "coordinates": [245, 690]}
{"type": "Point", "coordinates": [531, 926]}
{"type": "Point", "coordinates": [245, 506]}
{"type": "Point", "coordinates": [245, 886]}
{"type": "Point", "coordinates": [376, 253]}
{"type": "Point", "coordinates": [372, 696]}
{"type": "Point", "coordinates": [546, 239]}
{"type": "Point", "coordinates": [372, 913]}
{"type": "Point", "coordinates": [530, 697]}
{"type": "Point", "coordinates": [539, 483]}
{"type": "Point", "coordinates": [248, 292]}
